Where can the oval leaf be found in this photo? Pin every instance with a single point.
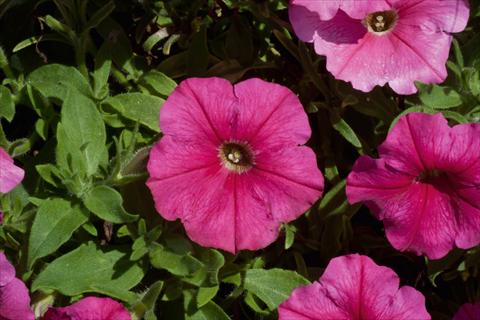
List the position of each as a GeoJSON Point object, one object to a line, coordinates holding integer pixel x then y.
{"type": "Point", "coordinates": [106, 203]}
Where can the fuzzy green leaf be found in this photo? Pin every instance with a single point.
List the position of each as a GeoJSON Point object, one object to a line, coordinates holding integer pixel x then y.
{"type": "Point", "coordinates": [90, 269]}
{"type": "Point", "coordinates": [54, 224]}
{"type": "Point", "coordinates": [273, 286]}
{"type": "Point", "coordinates": [106, 203]}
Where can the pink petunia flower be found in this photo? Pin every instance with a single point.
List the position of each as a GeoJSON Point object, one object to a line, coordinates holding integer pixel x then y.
{"type": "Point", "coordinates": [90, 308]}
{"type": "Point", "coordinates": [353, 287]}
{"type": "Point", "coordinates": [468, 312]}
{"type": "Point", "coordinates": [425, 186]}
{"type": "Point", "coordinates": [14, 298]}
{"type": "Point", "coordinates": [231, 164]}
{"type": "Point", "coordinates": [10, 174]}
{"type": "Point", "coordinates": [371, 43]}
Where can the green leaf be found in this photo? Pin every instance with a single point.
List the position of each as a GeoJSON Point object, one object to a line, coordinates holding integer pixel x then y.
{"type": "Point", "coordinates": [70, 160]}
{"type": "Point", "coordinates": [155, 38]}
{"type": "Point", "coordinates": [61, 28]}
{"type": "Point", "coordinates": [84, 130]}
{"type": "Point", "coordinates": [89, 269]}
{"type": "Point", "coordinates": [458, 53]}
{"type": "Point", "coordinates": [7, 106]}
{"type": "Point", "coordinates": [239, 43]}
{"type": "Point", "coordinates": [197, 53]}
{"type": "Point", "coordinates": [436, 267]}
{"type": "Point", "coordinates": [145, 308]}
{"type": "Point", "coordinates": [438, 97]}
{"type": "Point", "coordinates": [37, 39]}
{"type": "Point", "coordinates": [207, 276]}
{"type": "Point", "coordinates": [204, 295]}
{"type": "Point", "coordinates": [210, 311]}
{"type": "Point", "coordinates": [345, 130]}
{"type": "Point", "coordinates": [273, 286]}
{"type": "Point", "coordinates": [138, 107]}
{"type": "Point", "coordinates": [100, 15]}
{"type": "Point", "coordinates": [157, 83]}
{"type": "Point", "coordinates": [174, 66]}
{"type": "Point", "coordinates": [473, 80]}
{"type": "Point", "coordinates": [457, 117]}
{"type": "Point", "coordinates": [286, 40]}
{"type": "Point", "coordinates": [55, 80]}
{"type": "Point", "coordinates": [54, 224]}
{"type": "Point", "coordinates": [179, 264]}
{"type": "Point", "coordinates": [49, 173]}
{"type": "Point", "coordinates": [289, 236]}
{"type": "Point", "coordinates": [103, 64]}
{"type": "Point", "coordinates": [106, 203]}
{"type": "Point", "coordinates": [410, 110]}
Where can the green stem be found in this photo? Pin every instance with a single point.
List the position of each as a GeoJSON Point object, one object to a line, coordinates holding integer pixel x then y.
{"type": "Point", "coordinates": [80, 54]}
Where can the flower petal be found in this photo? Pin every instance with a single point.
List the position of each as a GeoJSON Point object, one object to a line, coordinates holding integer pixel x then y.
{"type": "Point", "coordinates": [90, 308]}
{"type": "Point", "coordinates": [467, 202]}
{"type": "Point", "coordinates": [10, 175]}
{"type": "Point", "coordinates": [408, 303]}
{"type": "Point", "coordinates": [434, 15]}
{"type": "Point", "coordinates": [354, 287]}
{"type": "Point", "coordinates": [417, 142]}
{"type": "Point", "coordinates": [271, 114]}
{"type": "Point", "coordinates": [325, 10]}
{"type": "Point", "coordinates": [275, 191]}
{"type": "Point", "coordinates": [360, 9]}
{"type": "Point", "coordinates": [460, 161]}
{"type": "Point", "coordinates": [171, 157]}
{"type": "Point", "coordinates": [421, 220]}
{"type": "Point", "coordinates": [7, 271]}
{"type": "Point", "coordinates": [372, 183]}
{"type": "Point", "coordinates": [197, 192]}
{"type": "Point", "coordinates": [15, 301]}
{"type": "Point", "coordinates": [311, 302]}
{"type": "Point", "coordinates": [358, 285]}
{"type": "Point", "coordinates": [468, 311]}
{"type": "Point", "coordinates": [401, 57]}
{"type": "Point", "coordinates": [199, 109]}
{"type": "Point", "coordinates": [341, 29]}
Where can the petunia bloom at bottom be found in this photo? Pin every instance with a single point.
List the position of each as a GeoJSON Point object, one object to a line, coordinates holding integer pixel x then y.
{"type": "Point", "coordinates": [468, 311]}
{"type": "Point", "coordinates": [425, 186]}
{"type": "Point", "coordinates": [14, 298]}
{"type": "Point", "coordinates": [90, 308]}
{"type": "Point", "coordinates": [353, 287]}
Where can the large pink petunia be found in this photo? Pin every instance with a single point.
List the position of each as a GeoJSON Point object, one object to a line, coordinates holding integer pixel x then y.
{"type": "Point", "coordinates": [14, 298]}
{"type": "Point", "coordinates": [468, 311]}
{"type": "Point", "coordinates": [231, 164]}
{"type": "Point", "coordinates": [371, 43]}
{"type": "Point", "coordinates": [10, 175]}
{"type": "Point", "coordinates": [353, 287]}
{"type": "Point", "coordinates": [90, 308]}
{"type": "Point", "coordinates": [425, 186]}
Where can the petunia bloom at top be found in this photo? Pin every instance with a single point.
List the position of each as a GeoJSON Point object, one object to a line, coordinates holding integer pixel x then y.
{"type": "Point", "coordinates": [353, 287]}
{"type": "Point", "coordinates": [90, 308]}
{"type": "Point", "coordinates": [14, 298]}
{"type": "Point", "coordinates": [371, 43]}
{"type": "Point", "coordinates": [425, 186]}
{"type": "Point", "coordinates": [468, 311]}
{"type": "Point", "coordinates": [231, 164]}
{"type": "Point", "coordinates": [10, 174]}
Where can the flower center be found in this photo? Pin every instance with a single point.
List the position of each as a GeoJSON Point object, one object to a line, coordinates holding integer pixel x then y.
{"type": "Point", "coordinates": [236, 156]}
{"type": "Point", "coordinates": [381, 22]}
{"type": "Point", "coordinates": [428, 176]}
